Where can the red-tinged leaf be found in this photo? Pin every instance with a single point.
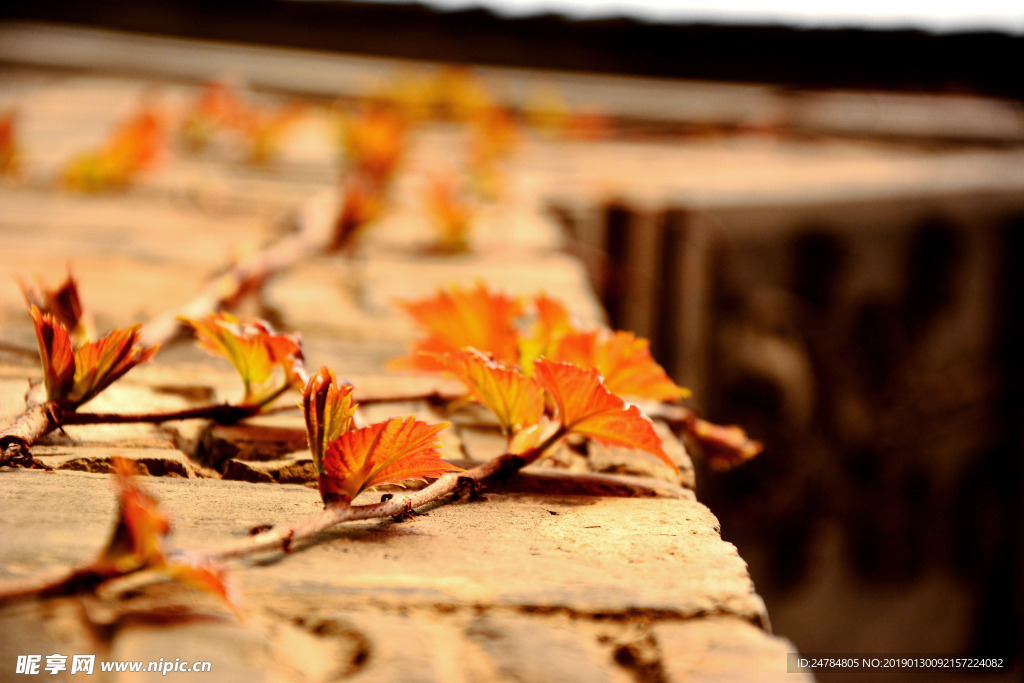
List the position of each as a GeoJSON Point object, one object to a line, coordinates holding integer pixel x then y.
{"type": "Point", "coordinates": [256, 351]}
{"type": "Point", "coordinates": [553, 318]}
{"type": "Point", "coordinates": [73, 377]}
{"type": "Point", "coordinates": [100, 363]}
{"type": "Point", "coordinates": [515, 399]}
{"type": "Point", "coordinates": [624, 361]}
{"type": "Point", "coordinates": [456, 318]}
{"type": "Point", "coordinates": [138, 142]}
{"type": "Point", "coordinates": [329, 413]}
{"type": "Point", "coordinates": [585, 406]}
{"type": "Point", "coordinates": [56, 354]}
{"type": "Point", "coordinates": [724, 447]}
{"type": "Point", "coordinates": [64, 304]}
{"type": "Point", "coordinates": [383, 453]}
{"type": "Point", "coordinates": [137, 540]}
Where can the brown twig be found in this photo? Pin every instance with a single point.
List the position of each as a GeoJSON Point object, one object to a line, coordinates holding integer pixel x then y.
{"type": "Point", "coordinates": [236, 281]}
{"type": "Point", "coordinates": [433, 397]}
{"type": "Point", "coordinates": [283, 537]}
{"type": "Point", "coordinates": [40, 417]}
{"type": "Point", "coordinates": [224, 413]}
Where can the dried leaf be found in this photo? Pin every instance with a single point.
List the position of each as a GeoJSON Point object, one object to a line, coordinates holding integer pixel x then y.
{"type": "Point", "coordinates": [256, 351]}
{"type": "Point", "coordinates": [383, 453]}
{"type": "Point", "coordinates": [515, 399]}
{"type": "Point", "coordinates": [265, 130]}
{"type": "Point", "coordinates": [329, 412]}
{"type": "Point", "coordinates": [724, 447]}
{"type": "Point", "coordinates": [624, 361]}
{"type": "Point", "coordinates": [585, 406]}
{"type": "Point", "coordinates": [64, 304]}
{"type": "Point", "coordinates": [456, 318]}
{"type": "Point", "coordinates": [361, 203]}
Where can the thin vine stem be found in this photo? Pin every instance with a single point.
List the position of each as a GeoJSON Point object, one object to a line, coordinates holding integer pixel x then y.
{"type": "Point", "coordinates": [283, 538]}
{"type": "Point", "coordinates": [221, 412]}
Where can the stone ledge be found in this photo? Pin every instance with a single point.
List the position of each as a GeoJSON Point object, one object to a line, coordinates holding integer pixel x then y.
{"type": "Point", "coordinates": [526, 587]}
{"type": "Point", "coordinates": [575, 554]}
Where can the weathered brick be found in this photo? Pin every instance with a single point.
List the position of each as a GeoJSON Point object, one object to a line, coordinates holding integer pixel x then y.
{"type": "Point", "coordinates": [723, 649]}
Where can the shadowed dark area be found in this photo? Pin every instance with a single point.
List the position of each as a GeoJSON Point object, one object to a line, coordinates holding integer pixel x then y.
{"type": "Point", "coordinates": [976, 62]}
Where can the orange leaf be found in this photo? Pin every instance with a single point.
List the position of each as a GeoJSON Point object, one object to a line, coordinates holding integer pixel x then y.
{"type": "Point", "coordinates": [375, 141]}
{"type": "Point", "coordinates": [553, 322]}
{"type": "Point", "coordinates": [455, 318]}
{"type": "Point", "coordinates": [255, 350]}
{"type": "Point", "coordinates": [624, 360]}
{"type": "Point", "coordinates": [329, 411]}
{"type": "Point", "coordinates": [56, 354]}
{"type": "Point", "coordinates": [585, 406]}
{"type": "Point", "coordinates": [383, 453]}
{"type": "Point", "coordinates": [100, 363]}
{"type": "Point", "coordinates": [137, 540]}
{"type": "Point", "coordinates": [74, 377]}
{"type": "Point", "coordinates": [211, 578]}
{"type": "Point", "coordinates": [515, 399]}
{"type": "Point", "coordinates": [132, 147]}
{"type": "Point", "coordinates": [217, 106]}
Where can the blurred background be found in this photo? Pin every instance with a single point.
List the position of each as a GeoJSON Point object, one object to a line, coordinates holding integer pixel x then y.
{"type": "Point", "coordinates": [816, 216]}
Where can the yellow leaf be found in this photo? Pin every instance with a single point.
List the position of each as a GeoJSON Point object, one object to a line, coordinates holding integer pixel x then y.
{"type": "Point", "coordinates": [256, 351]}
{"type": "Point", "coordinates": [515, 399]}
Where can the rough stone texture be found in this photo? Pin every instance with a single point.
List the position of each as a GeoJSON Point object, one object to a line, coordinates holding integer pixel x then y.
{"type": "Point", "coordinates": [722, 649]}
{"type": "Point", "coordinates": [517, 574]}
{"type": "Point", "coordinates": [157, 462]}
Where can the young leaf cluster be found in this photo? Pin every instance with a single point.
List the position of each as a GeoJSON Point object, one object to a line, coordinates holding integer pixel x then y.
{"type": "Point", "coordinates": [73, 375]}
